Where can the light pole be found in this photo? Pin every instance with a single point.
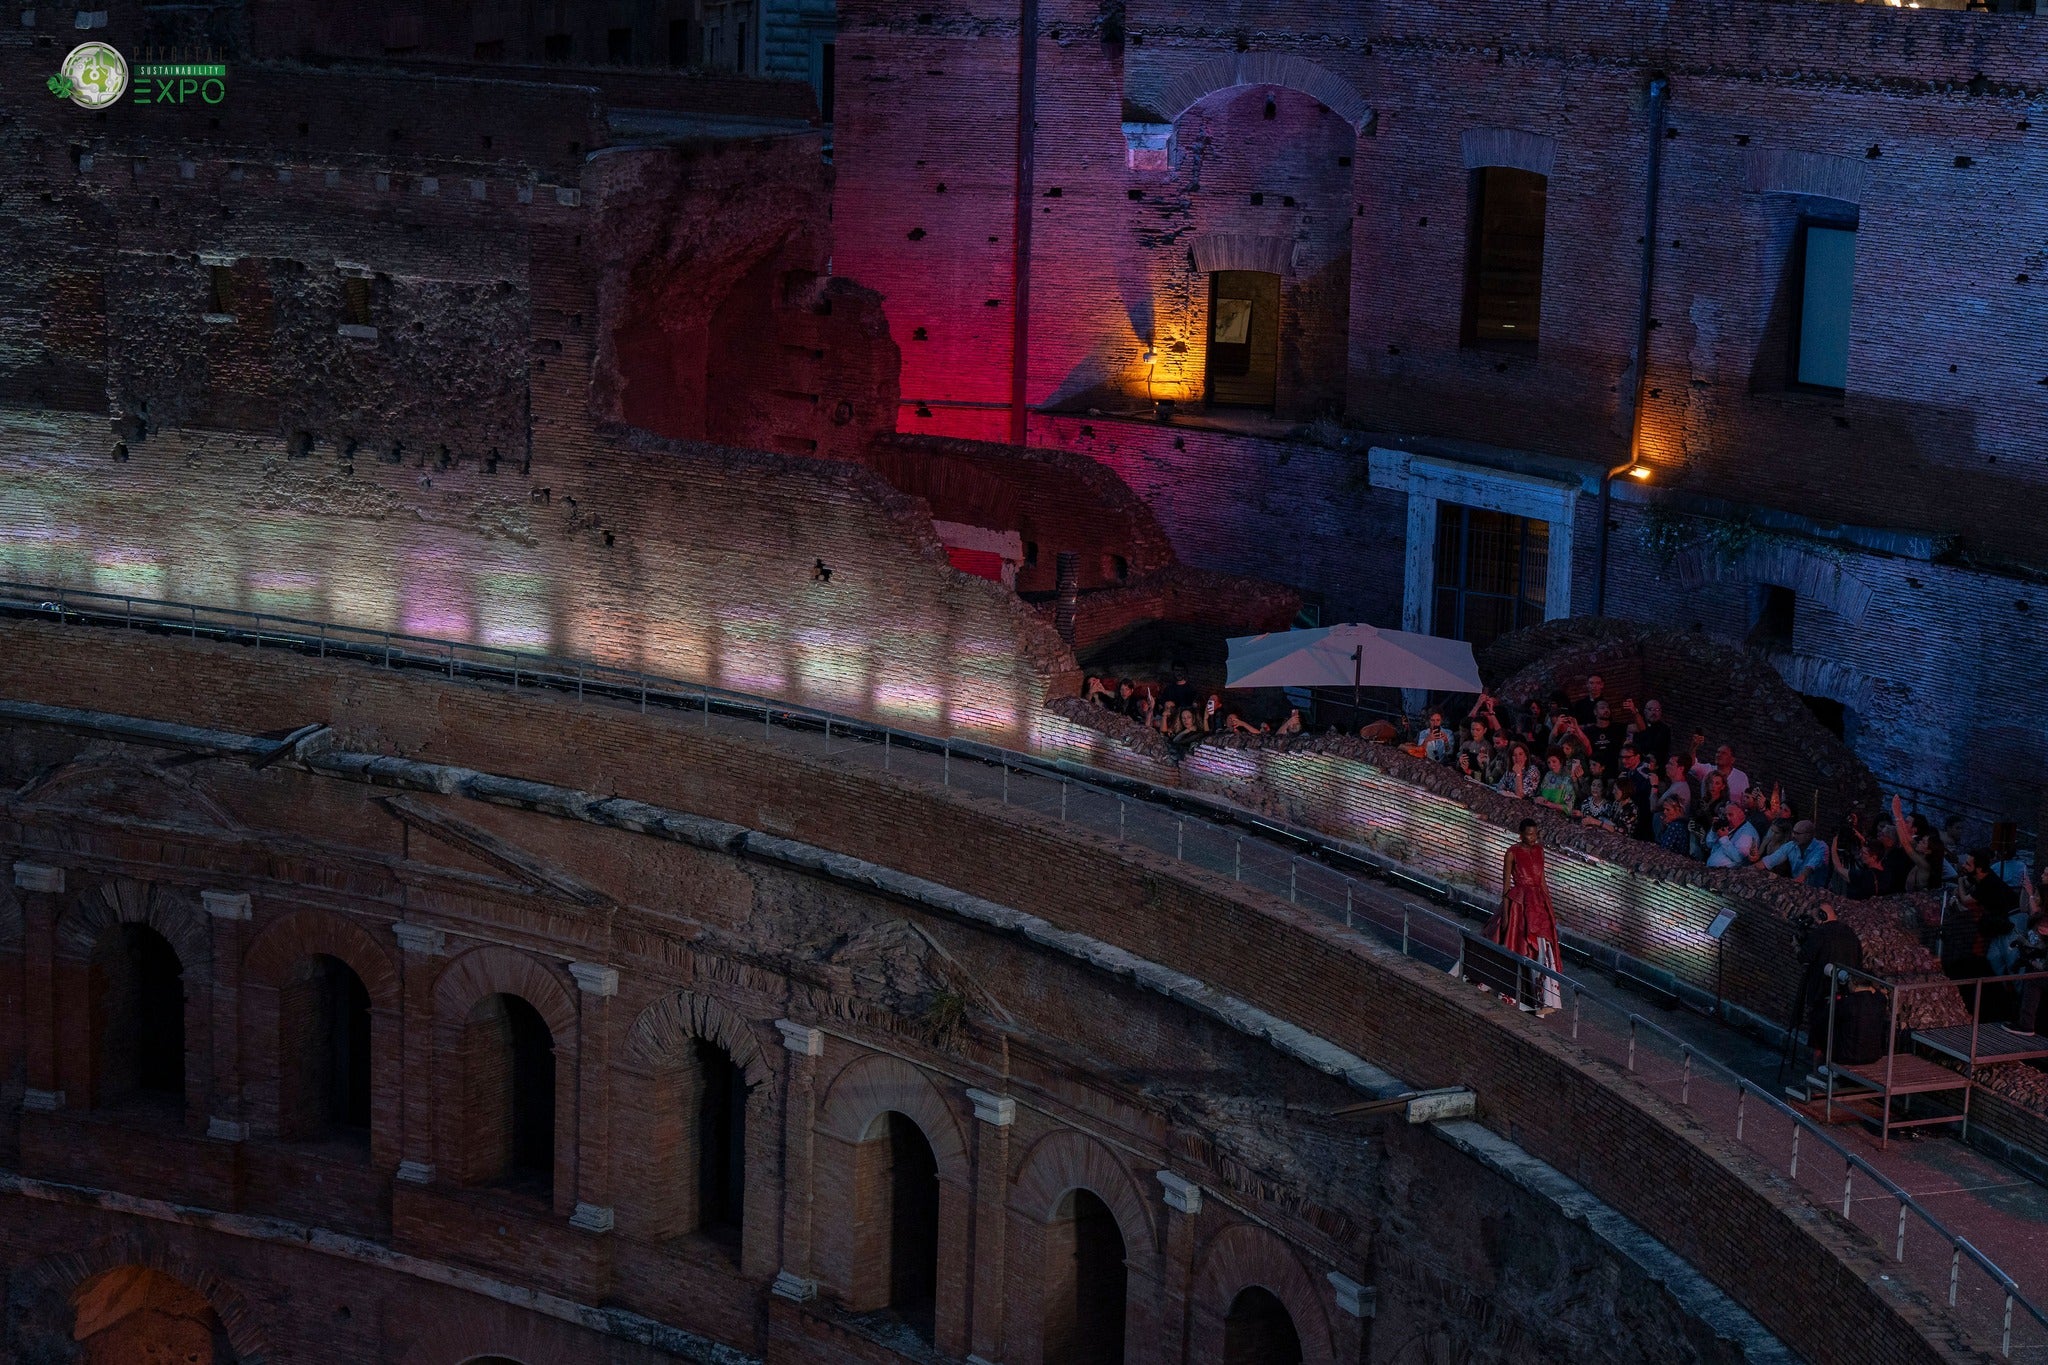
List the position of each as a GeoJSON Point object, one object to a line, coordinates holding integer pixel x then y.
{"type": "Point", "coordinates": [1635, 470]}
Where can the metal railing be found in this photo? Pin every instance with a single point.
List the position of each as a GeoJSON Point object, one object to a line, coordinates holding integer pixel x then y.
{"type": "Point", "coordinates": [1200, 830]}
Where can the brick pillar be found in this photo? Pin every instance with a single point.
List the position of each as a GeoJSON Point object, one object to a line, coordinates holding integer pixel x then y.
{"type": "Point", "coordinates": [1351, 1329]}
{"type": "Point", "coordinates": [40, 887]}
{"type": "Point", "coordinates": [1177, 1266]}
{"type": "Point", "coordinates": [995, 1115]}
{"type": "Point", "coordinates": [595, 987]}
{"type": "Point", "coordinates": [795, 1280]}
{"type": "Point", "coordinates": [228, 912]}
{"type": "Point", "coordinates": [419, 946]}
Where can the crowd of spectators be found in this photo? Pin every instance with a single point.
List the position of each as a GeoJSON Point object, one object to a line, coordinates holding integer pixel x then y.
{"type": "Point", "coordinates": [1621, 767]}
{"type": "Point", "coordinates": [1180, 712]}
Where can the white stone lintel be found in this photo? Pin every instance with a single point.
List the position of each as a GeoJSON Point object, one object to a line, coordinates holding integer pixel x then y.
{"type": "Point", "coordinates": [595, 979]}
{"type": "Point", "coordinates": [226, 904]}
{"type": "Point", "coordinates": [38, 877]}
{"type": "Point", "coordinates": [794, 1287]}
{"type": "Point", "coordinates": [592, 1217]}
{"type": "Point", "coordinates": [801, 1039]}
{"type": "Point", "coordinates": [416, 1172]}
{"type": "Point", "coordinates": [419, 938]}
{"type": "Point", "coordinates": [1359, 1300]}
{"type": "Point", "coordinates": [226, 1130]}
{"type": "Point", "coordinates": [42, 1101]}
{"type": "Point", "coordinates": [1182, 1194]}
{"type": "Point", "coordinates": [999, 1110]}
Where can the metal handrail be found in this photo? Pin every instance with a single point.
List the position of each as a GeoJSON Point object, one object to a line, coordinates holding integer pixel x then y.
{"type": "Point", "coordinates": [523, 667]}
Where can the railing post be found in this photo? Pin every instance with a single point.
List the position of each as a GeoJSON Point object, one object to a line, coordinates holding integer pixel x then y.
{"type": "Point", "coordinates": [1063, 800]}
{"type": "Point", "coordinates": [1848, 1181]}
{"type": "Point", "coordinates": [946, 763]}
{"type": "Point", "coordinates": [643, 696]}
{"type": "Point", "coordinates": [1900, 1253]}
{"type": "Point", "coordinates": [1006, 779]}
{"type": "Point", "coordinates": [1578, 997]}
{"type": "Point", "coordinates": [1955, 1270]}
{"type": "Point", "coordinates": [887, 736]}
{"type": "Point", "coordinates": [1119, 819]}
{"type": "Point", "coordinates": [1685, 1079]}
{"type": "Point", "coordinates": [2005, 1341]}
{"type": "Point", "coordinates": [1347, 906]}
{"type": "Point", "coordinates": [1793, 1170]}
{"type": "Point", "coordinates": [1741, 1103]}
{"type": "Point", "coordinates": [1293, 867]}
{"type": "Point", "coordinates": [1180, 839]}
{"type": "Point", "coordinates": [1237, 863]}
{"type": "Point", "coordinates": [1631, 1042]}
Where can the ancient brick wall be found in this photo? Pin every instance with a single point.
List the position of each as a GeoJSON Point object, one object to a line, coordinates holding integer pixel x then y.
{"type": "Point", "coordinates": [1650, 1166]}
{"type": "Point", "coordinates": [838, 1007]}
{"type": "Point", "coordinates": [1920, 119]}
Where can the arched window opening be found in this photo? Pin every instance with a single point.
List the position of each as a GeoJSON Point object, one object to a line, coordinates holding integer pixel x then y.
{"type": "Point", "coordinates": [721, 1094]}
{"type": "Point", "coordinates": [897, 1193]}
{"type": "Point", "coordinates": [138, 992]}
{"type": "Point", "coordinates": [1260, 1331]}
{"type": "Point", "coordinates": [326, 1012]}
{"type": "Point", "coordinates": [509, 1096]}
{"type": "Point", "coordinates": [1085, 1283]}
{"type": "Point", "coordinates": [132, 1313]}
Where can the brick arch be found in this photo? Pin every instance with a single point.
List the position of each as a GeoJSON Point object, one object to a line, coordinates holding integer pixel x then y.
{"type": "Point", "coordinates": [1214, 251]}
{"type": "Point", "coordinates": [41, 1293]}
{"type": "Point", "coordinates": [1509, 147]}
{"type": "Point", "coordinates": [173, 912]}
{"type": "Point", "coordinates": [1239, 1257]}
{"type": "Point", "coordinates": [1196, 83]}
{"type": "Point", "coordinates": [495, 970]}
{"type": "Point", "coordinates": [1817, 578]}
{"type": "Point", "coordinates": [473, 977]}
{"type": "Point", "coordinates": [287, 941]}
{"type": "Point", "coordinates": [876, 1085]}
{"type": "Point", "coordinates": [1063, 1161]}
{"type": "Point", "coordinates": [1782, 170]}
{"type": "Point", "coordinates": [665, 1028]}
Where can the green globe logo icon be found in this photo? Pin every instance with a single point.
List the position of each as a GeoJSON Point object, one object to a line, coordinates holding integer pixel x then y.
{"type": "Point", "coordinates": [95, 75]}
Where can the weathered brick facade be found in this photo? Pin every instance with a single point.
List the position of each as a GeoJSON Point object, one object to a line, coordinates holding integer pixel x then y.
{"type": "Point", "coordinates": [1161, 132]}
{"type": "Point", "coordinates": [842, 996]}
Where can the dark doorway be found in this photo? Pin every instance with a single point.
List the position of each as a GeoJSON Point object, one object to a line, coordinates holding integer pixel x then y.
{"type": "Point", "coordinates": [909, 1194]}
{"type": "Point", "coordinates": [341, 1035]}
{"type": "Point", "coordinates": [1504, 272]}
{"type": "Point", "coordinates": [1244, 338]}
{"type": "Point", "coordinates": [1260, 1331]}
{"type": "Point", "coordinates": [1491, 572]}
{"type": "Point", "coordinates": [533, 1094]}
{"type": "Point", "coordinates": [1085, 1283]}
{"type": "Point", "coordinates": [509, 1096]}
{"type": "Point", "coordinates": [721, 1141]}
{"type": "Point", "coordinates": [139, 1007]}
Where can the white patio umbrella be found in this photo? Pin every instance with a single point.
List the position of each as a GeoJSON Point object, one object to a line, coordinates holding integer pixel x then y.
{"type": "Point", "coordinates": [1353, 656]}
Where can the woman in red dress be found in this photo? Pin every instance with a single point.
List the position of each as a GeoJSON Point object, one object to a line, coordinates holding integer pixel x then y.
{"type": "Point", "coordinates": [1525, 923]}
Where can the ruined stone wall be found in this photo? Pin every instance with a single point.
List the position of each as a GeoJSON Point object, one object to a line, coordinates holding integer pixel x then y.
{"type": "Point", "coordinates": [839, 1001]}
{"type": "Point", "coordinates": [1651, 1163]}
